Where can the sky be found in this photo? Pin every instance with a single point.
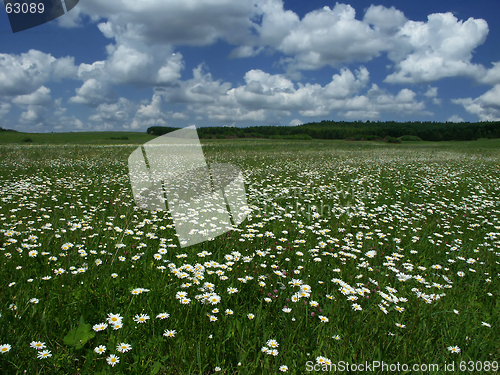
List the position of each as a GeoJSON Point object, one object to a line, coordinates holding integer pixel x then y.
{"type": "Point", "coordinates": [126, 65]}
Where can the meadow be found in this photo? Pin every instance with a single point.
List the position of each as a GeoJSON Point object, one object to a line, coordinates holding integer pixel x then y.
{"type": "Point", "coordinates": [354, 252]}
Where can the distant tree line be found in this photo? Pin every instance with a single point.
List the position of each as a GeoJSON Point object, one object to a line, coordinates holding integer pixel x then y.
{"type": "Point", "coordinates": [355, 130]}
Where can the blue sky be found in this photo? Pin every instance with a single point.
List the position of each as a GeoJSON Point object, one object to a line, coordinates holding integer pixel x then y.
{"type": "Point", "coordinates": [128, 65]}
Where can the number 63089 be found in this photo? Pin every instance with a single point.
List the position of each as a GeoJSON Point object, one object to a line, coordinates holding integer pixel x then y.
{"type": "Point", "coordinates": [25, 8]}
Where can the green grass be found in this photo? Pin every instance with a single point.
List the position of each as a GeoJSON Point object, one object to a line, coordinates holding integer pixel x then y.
{"type": "Point", "coordinates": [325, 214]}
{"type": "Point", "coordinates": [81, 138]}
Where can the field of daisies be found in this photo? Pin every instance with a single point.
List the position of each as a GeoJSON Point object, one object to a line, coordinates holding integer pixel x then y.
{"type": "Point", "coordinates": [352, 252]}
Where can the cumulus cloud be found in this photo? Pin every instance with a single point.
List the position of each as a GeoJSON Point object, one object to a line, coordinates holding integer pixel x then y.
{"type": "Point", "coordinates": [4, 109]}
{"type": "Point", "coordinates": [25, 73]}
{"type": "Point", "coordinates": [149, 115]}
{"type": "Point", "coordinates": [114, 114]}
{"type": "Point", "coordinates": [492, 75]}
{"type": "Point", "coordinates": [455, 118]}
{"type": "Point", "coordinates": [93, 93]}
{"type": "Point", "coordinates": [295, 122]}
{"type": "Point", "coordinates": [486, 106]}
{"type": "Point", "coordinates": [194, 22]}
{"type": "Point", "coordinates": [269, 98]}
{"type": "Point", "coordinates": [441, 47]}
{"type": "Point", "coordinates": [323, 37]}
{"type": "Point", "coordinates": [39, 97]}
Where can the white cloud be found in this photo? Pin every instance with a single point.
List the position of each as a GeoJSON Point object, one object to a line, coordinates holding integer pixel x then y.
{"type": "Point", "coordinates": [193, 22]}
{"type": "Point", "coordinates": [323, 37]}
{"type": "Point", "coordinates": [486, 106]}
{"type": "Point", "coordinates": [387, 20]}
{"type": "Point", "coordinates": [4, 109]}
{"type": "Point", "coordinates": [455, 118]}
{"type": "Point", "coordinates": [441, 47]}
{"type": "Point", "coordinates": [149, 115]}
{"type": "Point", "coordinates": [39, 97]}
{"type": "Point", "coordinates": [295, 122]}
{"type": "Point", "coordinates": [33, 115]}
{"type": "Point", "coordinates": [113, 114]}
{"type": "Point", "coordinates": [179, 116]}
{"type": "Point", "coordinates": [93, 93]}
{"type": "Point", "coordinates": [492, 75]}
{"type": "Point", "coordinates": [269, 98]}
{"type": "Point", "coordinates": [25, 73]}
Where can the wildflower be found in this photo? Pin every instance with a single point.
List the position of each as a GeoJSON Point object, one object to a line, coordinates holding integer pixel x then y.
{"type": "Point", "coordinates": [114, 275]}
{"type": "Point", "coordinates": [162, 315]}
{"type": "Point", "coordinates": [217, 369]}
{"type": "Point", "coordinates": [100, 327]}
{"type": "Point", "coordinates": [336, 337]}
{"type": "Point", "coordinates": [123, 348]}
{"type": "Point", "coordinates": [229, 312]}
{"type": "Point", "coordinates": [454, 349]}
{"type": "Point", "coordinates": [272, 343]}
{"type": "Point", "coordinates": [100, 349]}
{"type": "Point", "coordinates": [4, 348]}
{"type": "Point", "coordinates": [324, 319]}
{"type": "Point", "coordinates": [272, 352]}
{"type": "Point", "coordinates": [117, 325]}
{"type": "Point", "coordinates": [34, 300]}
{"type": "Point", "coordinates": [232, 290]}
{"type": "Point", "coordinates": [356, 307]}
{"type": "Point", "coordinates": [213, 318]}
{"type": "Point", "coordinates": [250, 316]}
{"type": "Point", "coordinates": [112, 360]}
{"type": "Point", "coordinates": [169, 333]}
{"type": "Point", "coordinates": [321, 360]}
{"type": "Point", "coordinates": [114, 318]}
{"type": "Point", "coordinates": [400, 325]}
{"type": "Point", "coordinates": [44, 354]}
{"type": "Point", "coordinates": [143, 318]}
{"type": "Point", "coordinates": [286, 309]}
{"type": "Point", "coordinates": [37, 345]}
{"type": "Point", "coordinates": [283, 368]}
{"type": "Point", "coordinates": [486, 324]}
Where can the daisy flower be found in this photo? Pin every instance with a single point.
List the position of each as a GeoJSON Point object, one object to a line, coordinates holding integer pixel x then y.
{"type": "Point", "coordinates": [44, 354]}
{"type": "Point", "coordinates": [229, 312]}
{"type": "Point", "coordinates": [169, 333]}
{"type": "Point", "coordinates": [400, 325]}
{"type": "Point", "coordinates": [143, 318]}
{"type": "Point", "coordinates": [356, 307]}
{"type": "Point", "coordinates": [486, 324]}
{"type": "Point", "coordinates": [37, 345]}
{"type": "Point", "coordinates": [4, 348]}
{"type": "Point", "coordinates": [272, 352]}
{"type": "Point", "coordinates": [163, 315]}
{"type": "Point", "coordinates": [100, 327]}
{"type": "Point", "coordinates": [283, 368]}
{"type": "Point", "coordinates": [114, 318]}
{"type": "Point", "coordinates": [454, 349]}
{"type": "Point", "coordinates": [324, 319]}
{"type": "Point", "coordinates": [112, 360]}
{"type": "Point", "coordinates": [123, 348]}
{"type": "Point", "coordinates": [100, 349]}
{"type": "Point", "coordinates": [250, 316]}
{"type": "Point", "coordinates": [272, 343]}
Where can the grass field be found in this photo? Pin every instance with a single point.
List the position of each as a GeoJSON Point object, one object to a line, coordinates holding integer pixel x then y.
{"type": "Point", "coordinates": [353, 252]}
